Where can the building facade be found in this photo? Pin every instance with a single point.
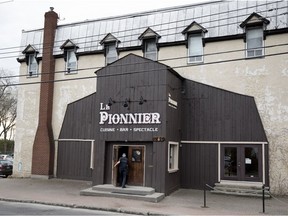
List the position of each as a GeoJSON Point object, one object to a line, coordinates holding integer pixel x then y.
{"type": "Point", "coordinates": [193, 94]}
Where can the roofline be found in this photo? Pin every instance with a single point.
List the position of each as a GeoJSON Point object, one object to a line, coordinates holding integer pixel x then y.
{"type": "Point", "coordinates": [135, 14]}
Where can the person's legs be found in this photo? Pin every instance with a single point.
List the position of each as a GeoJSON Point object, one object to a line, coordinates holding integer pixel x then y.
{"type": "Point", "coordinates": [123, 175]}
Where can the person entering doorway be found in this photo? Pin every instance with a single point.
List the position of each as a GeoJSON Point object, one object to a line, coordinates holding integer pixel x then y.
{"type": "Point", "coordinates": [123, 169]}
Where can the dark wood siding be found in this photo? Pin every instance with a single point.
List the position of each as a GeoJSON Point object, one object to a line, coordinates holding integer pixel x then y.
{"type": "Point", "coordinates": [74, 160]}
{"type": "Point", "coordinates": [198, 165]}
{"type": "Point", "coordinates": [173, 124]}
{"type": "Point", "coordinates": [78, 121]}
{"type": "Point", "coordinates": [203, 113]}
{"type": "Point", "coordinates": [212, 114]}
{"type": "Point", "coordinates": [130, 78]}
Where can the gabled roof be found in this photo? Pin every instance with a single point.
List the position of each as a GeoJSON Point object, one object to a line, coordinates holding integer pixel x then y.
{"type": "Point", "coordinates": [109, 38]}
{"type": "Point", "coordinates": [254, 19]}
{"type": "Point", "coordinates": [131, 60]}
{"type": "Point", "coordinates": [148, 33]}
{"type": "Point", "coordinates": [194, 27]}
{"type": "Point", "coordinates": [68, 44]}
{"type": "Point", "coordinates": [29, 49]}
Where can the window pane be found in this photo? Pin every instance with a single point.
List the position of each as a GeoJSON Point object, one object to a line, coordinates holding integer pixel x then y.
{"type": "Point", "coordinates": [251, 162]}
{"type": "Point", "coordinates": [71, 61]}
{"type": "Point", "coordinates": [151, 46]}
{"type": "Point", "coordinates": [33, 65]}
{"type": "Point", "coordinates": [173, 156]}
{"type": "Point", "coordinates": [150, 50]}
{"type": "Point", "coordinates": [254, 42]}
{"type": "Point", "coordinates": [195, 48]}
{"type": "Point", "coordinates": [230, 161]}
{"type": "Point", "coordinates": [111, 53]}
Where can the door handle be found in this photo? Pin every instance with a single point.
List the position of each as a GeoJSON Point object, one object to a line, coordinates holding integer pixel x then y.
{"type": "Point", "coordinates": [239, 164]}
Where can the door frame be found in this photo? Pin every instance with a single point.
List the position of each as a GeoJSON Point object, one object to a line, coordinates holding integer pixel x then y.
{"type": "Point", "coordinates": [115, 158]}
{"type": "Point", "coordinates": [263, 144]}
{"type": "Point", "coordinates": [241, 163]}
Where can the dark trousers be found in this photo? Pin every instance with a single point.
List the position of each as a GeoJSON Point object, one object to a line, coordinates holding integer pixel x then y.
{"type": "Point", "coordinates": [123, 176]}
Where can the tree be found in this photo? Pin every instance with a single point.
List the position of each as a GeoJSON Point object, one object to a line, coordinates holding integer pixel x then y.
{"type": "Point", "coordinates": [8, 103]}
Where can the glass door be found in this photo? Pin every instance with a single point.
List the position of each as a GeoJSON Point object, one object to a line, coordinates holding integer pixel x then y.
{"type": "Point", "coordinates": [241, 162]}
{"type": "Point", "coordinates": [231, 157]}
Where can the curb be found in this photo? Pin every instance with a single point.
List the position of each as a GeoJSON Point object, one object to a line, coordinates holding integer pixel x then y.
{"type": "Point", "coordinates": [119, 210]}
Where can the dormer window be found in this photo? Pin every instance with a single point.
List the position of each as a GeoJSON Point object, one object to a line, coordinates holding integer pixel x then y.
{"type": "Point", "coordinates": [194, 34]}
{"type": "Point", "coordinates": [110, 43]}
{"type": "Point", "coordinates": [32, 65]}
{"type": "Point", "coordinates": [111, 53]}
{"type": "Point", "coordinates": [254, 38]}
{"type": "Point", "coordinates": [195, 48]}
{"type": "Point", "coordinates": [71, 62]}
{"type": "Point", "coordinates": [149, 40]}
{"type": "Point", "coordinates": [150, 50]}
{"type": "Point", "coordinates": [254, 42]}
{"type": "Point", "coordinates": [70, 57]}
{"type": "Point", "coordinates": [31, 60]}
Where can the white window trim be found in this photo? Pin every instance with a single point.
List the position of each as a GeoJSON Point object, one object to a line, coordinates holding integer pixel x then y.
{"type": "Point", "coordinates": [74, 70]}
{"type": "Point", "coordinates": [188, 50]}
{"type": "Point", "coordinates": [176, 159]}
{"type": "Point", "coordinates": [262, 47]}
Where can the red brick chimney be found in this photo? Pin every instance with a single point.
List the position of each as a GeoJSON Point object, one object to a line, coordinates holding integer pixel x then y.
{"type": "Point", "coordinates": [43, 147]}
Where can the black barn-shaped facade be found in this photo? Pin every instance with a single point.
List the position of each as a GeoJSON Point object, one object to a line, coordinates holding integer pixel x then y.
{"type": "Point", "coordinates": [176, 132]}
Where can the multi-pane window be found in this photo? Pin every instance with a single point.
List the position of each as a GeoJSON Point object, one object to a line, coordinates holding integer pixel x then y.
{"type": "Point", "coordinates": [195, 48]}
{"type": "Point", "coordinates": [111, 53]}
{"type": "Point", "coordinates": [173, 152]}
{"type": "Point", "coordinates": [150, 50]}
{"type": "Point", "coordinates": [32, 65]}
{"type": "Point", "coordinates": [254, 42]}
{"type": "Point", "coordinates": [71, 62]}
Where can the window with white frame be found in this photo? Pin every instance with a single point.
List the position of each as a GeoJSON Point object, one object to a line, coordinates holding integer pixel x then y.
{"type": "Point", "coordinates": [111, 53]}
{"type": "Point", "coordinates": [71, 61]}
{"type": "Point", "coordinates": [150, 49]}
{"type": "Point", "coordinates": [254, 42]}
{"type": "Point", "coordinates": [195, 48]}
{"type": "Point", "coordinates": [173, 155]}
{"type": "Point", "coordinates": [32, 65]}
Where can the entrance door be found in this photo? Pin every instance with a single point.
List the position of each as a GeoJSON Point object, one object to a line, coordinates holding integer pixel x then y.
{"type": "Point", "coordinates": [241, 162]}
{"type": "Point", "coordinates": [136, 161]}
{"type": "Point", "coordinates": [115, 169]}
{"type": "Point", "coordinates": [136, 165]}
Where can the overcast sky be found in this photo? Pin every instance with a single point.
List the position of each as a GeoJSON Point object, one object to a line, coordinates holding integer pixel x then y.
{"type": "Point", "coordinates": [18, 15]}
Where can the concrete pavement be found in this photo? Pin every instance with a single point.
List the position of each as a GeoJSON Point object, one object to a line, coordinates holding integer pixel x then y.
{"type": "Point", "coordinates": [182, 202]}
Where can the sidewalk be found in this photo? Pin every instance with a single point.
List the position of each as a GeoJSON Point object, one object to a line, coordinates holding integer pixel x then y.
{"type": "Point", "coordinates": [182, 202]}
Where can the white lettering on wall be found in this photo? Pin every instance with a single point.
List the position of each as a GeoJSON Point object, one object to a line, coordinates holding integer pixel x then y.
{"type": "Point", "coordinates": [129, 118]}
{"type": "Point", "coordinates": [172, 103]}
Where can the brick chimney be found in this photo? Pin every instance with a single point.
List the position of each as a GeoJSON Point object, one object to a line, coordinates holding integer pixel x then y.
{"type": "Point", "coordinates": [43, 147]}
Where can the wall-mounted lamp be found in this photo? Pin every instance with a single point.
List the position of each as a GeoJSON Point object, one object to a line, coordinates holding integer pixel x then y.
{"type": "Point", "coordinates": [142, 100]}
{"type": "Point", "coordinates": [110, 102]}
{"type": "Point", "coordinates": [126, 103]}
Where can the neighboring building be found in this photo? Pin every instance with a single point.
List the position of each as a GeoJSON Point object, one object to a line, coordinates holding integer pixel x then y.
{"type": "Point", "coordinates": [192, 94]}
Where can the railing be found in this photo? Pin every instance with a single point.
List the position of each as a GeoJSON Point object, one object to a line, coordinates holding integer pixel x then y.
{"type": "Point", "coordinates": [264, 188]}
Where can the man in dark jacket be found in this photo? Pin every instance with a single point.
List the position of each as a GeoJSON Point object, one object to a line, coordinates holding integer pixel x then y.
{"type": "Point", "coordinates": [123, 169]}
